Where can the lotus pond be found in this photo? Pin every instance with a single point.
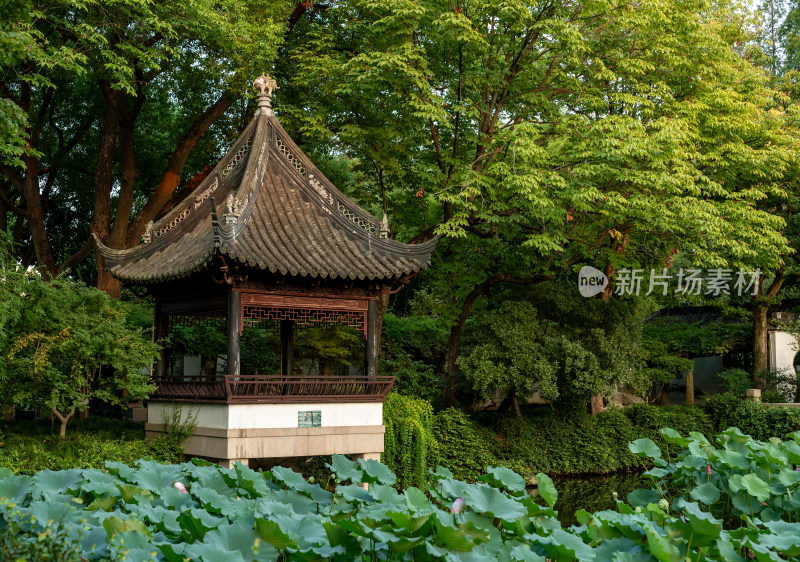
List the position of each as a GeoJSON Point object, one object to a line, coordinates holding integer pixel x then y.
{"type": "Point", "coordinates": [736, 499]}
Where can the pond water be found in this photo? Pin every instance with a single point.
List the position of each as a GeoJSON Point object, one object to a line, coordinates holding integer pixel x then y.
{"type": "Point", "coordinates": [594, 493]}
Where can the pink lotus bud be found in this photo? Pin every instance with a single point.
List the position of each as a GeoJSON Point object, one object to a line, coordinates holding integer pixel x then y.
{"type": "Point", "coordinates": [458, 506]}
{"type": "Point", "coordinates": [708, 469]}
{"type": "Point", "coordinates": [181, 488]}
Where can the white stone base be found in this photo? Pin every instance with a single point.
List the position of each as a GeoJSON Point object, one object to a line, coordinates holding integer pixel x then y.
{"type": "Point", "coordinates": [255, 431]}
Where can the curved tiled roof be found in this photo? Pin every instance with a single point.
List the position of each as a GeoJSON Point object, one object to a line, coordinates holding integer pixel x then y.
{"type": "Point", "coordinates": [266, 205]}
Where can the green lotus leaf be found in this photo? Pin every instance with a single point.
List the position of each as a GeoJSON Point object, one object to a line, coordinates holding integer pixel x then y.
{"type": "Point", "coordinates": [502, 477]}
{"type": "Point", "coordinates": [706, 493]}
{"type": "Point", "coordinates": [106, 504]}
{"type": "Point", "coordinates": [197, 522]}
{"type": "Point", "coordinates": [658, 545]}
{"type": "Point", "coordinates": [642, 497]}
{"type": "Point", "coordinates": [756, 487]}
{"type": "Point", "coordinates": [122, 470]}
{"type": "Point", "coordinates": [735, 434]}
{"type": "Point", "coordinates": [522, 553]}
{"type": "Point", "coordinates": [452, 537]}
{"type": "Point", "coordinates": [657, 472]}
{"type": "Point", "coordinates": [673, 437]}
{"type": "Point", "coordinates": [353, 492]}
{"type": "Point", "coordinates": [15, 488]}
{"type": "Point", "coordinates": [135, 545]}
{"type": "Point", "coordinates": [792, 451]}
{"type": "Point", "coordinates": [546, 489]}
{"type": "Point", "coordinates": [175, 499]}
{"type": "Point", "coordinates": [620, 549]}
{"type": "Point", "coordinates": [561, 545]}
{"type": "Point", "coordinates": [213, 502]}
{"type": "Point", "coordinates": [231, 543]}
{"type": "Point", "coordinates": [376, 471]}
{"type": "Point", "coordinates": [152, 475]}
{"type": "Point", "coordinates": [727, 551]}
{"type": "Point", "coordinates": [345, 469]}
{"type": "Point", "coordinates": [788, 477]}
{"type": "Point", "coordinates": [295, 481]}
{"type": "Point", "coordinates": [416, 499]}
{"type": "Point", "coordinates": [745, 502]}
{"type": "Point", "coordinates": [645, 448]}
{"type": "Point", "coordinates": [114, 525]}
{"type": "Point", "coordinates": [412, 523]}
{"type": "Point", "coordinates": [731, 459]}
{"type": "Point", "coordinates": [698, 449]}
{"type": "Point", "coordinates": [485, 499]}
{"type": "Point", "coordinates": [702, 523]}
{"type": "Point", "coordinates": [250, 481]}
{"type": "Point", "coordinates": [99, 483]}
{"type": "Point", "coordinates": [775, 455]}
{"type": "Point", "coordinates": [271, 532]}
{"type": "Point", "coordinates": [134, 494]}
{"type": "Point", "coordinates": [60, 482]}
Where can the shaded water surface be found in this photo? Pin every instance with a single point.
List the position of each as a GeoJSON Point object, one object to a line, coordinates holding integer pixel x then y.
{"type": "Point", "coordinates": [594, 493]}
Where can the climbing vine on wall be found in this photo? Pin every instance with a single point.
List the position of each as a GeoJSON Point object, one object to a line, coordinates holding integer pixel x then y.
{"type": "Point", "coordinates": [409, 446]}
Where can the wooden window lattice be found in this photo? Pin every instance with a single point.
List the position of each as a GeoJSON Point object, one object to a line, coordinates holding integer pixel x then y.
{"type": "Point", "coordinates": [200, 318]}
{"type": "Point", "coordinates": [253, 315]}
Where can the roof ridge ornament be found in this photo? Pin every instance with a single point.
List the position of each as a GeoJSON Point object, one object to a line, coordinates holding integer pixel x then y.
{"type": "Point", "coordinates": [265, 86]}
{"type": "Point", "coordinates": [384, 232]}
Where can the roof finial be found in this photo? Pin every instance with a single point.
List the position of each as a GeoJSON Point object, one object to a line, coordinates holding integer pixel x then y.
{"type": "Point", "coordinates": [384, 232]}
{"type": "Point", "coordinates": [265, 86]}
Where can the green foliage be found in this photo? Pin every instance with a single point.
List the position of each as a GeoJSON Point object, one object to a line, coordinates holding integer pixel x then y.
{"type": "Point", "coordinates": [31, 447]}
{"type": "Point", "coordinates": [411, 347]}
{"type": "Point", "coordinates": [554, 342]}
{"type": "Point", "coordinates": [63, 344]}
{"type": "Point", "coordinates": [141, 511]}
{"type": "Point", "coordinates": [553, 443]}
{"type": "Point", "coordinates": [737, 480]}
{"type": "Point", "coordinates": [22, 539]}
{"type": "Point", "coordinates": [736, 381]}
{"type": "Point", "coordinates": [753, 418]}
{"type": "Point", "coordinates": [177, 429]}
{"type": "Point", "coordinates": [409, 444]}
{"type": "Point", "coordinates": [589, 444]}
{"type": "Point", "coordinates": [464, 446]}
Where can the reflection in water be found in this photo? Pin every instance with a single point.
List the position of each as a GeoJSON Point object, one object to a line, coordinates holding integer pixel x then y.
{"type": "Point", "coordinates": [593, 493]}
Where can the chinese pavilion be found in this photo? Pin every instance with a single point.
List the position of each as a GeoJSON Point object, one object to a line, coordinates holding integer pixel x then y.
{"type": "Point", "coordinates": [264, 240]}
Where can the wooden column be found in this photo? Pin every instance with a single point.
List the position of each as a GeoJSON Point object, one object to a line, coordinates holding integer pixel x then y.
{"type": "Point", "coordinates": [690, 387]}
{"type": "Point", "coordinates": [234, 331]}
{"type": "Point", "coordinates": [287, 347]}
{"type": "Point", "coordinates": [161, 364]}
{"type": "Point", "coordinates": [371, 352]}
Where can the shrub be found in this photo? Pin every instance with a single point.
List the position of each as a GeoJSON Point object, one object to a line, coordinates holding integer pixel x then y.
{"type": "Point", "coordinates": [177, 429]}
{"type": "Point", "coordinates": [409, 445]}
{"type": "Point", "coordinates": [464, 447]}
{"type": "Point", "coordinates": [720, 408]}
{"type": "Point", "coordinates": [751, 417]}
{"type": "Point", "coordinates": [30, 447]}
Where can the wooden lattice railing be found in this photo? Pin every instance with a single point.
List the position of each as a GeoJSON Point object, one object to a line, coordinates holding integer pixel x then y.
{"type": "Point", "coordinates": [264, 389]}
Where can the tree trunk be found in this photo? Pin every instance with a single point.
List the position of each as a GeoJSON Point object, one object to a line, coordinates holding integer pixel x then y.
{"type": "Point", "coordinates": [596, 404]}
{"type": "Point", "coordinates": [762, 301]}
{"type": "Point", "coordinates": [760, 338]}
{"type": "Point", "coordinates": [62, 432]}
{"type": "Point", "coordinates": [103, 182]}
{"type": "Point", "coordinates": [454, 341]}
{"type": "Point", "coordinates": [690, 388]}
{"type": "Point", "coordinates": [171, 178]}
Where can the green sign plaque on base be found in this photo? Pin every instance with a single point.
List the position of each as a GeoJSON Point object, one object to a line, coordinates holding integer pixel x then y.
{"type": "Point", "coordinates": [312, 418]}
